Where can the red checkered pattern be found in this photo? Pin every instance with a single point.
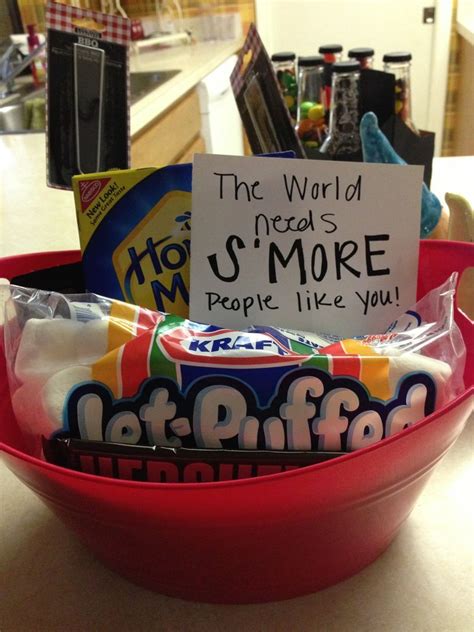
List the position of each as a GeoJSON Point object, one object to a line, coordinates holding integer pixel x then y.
{"type": "Point", "coordinates": [61, 16]}
{"type": "Point", "coordinates": [253, 43]}
{"type": "Point", "coordinates": [118, 30]}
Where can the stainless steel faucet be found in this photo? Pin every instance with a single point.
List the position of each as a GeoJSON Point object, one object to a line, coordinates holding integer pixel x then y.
{"type": "Point", "coordinates": [10, 69]}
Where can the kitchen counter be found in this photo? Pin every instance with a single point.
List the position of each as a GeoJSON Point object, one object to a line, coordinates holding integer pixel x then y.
{"type": "Point", "coordinates": [35, 217]}
{"type": "Point", "coordinates": [32, 216]}
{"type": "Point", "coordinates": [49, 582]}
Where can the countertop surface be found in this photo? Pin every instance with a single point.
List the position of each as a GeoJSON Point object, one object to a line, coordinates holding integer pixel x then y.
{"type": "Point", "coordinates": [49, 582]}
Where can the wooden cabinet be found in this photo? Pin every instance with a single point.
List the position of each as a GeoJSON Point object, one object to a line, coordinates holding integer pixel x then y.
{"type": "Point", "coordinates": [197, 147]}
{"type": "Point", "coordinates": [173, 137]}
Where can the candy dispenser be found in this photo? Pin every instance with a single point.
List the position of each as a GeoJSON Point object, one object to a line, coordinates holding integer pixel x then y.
{"type": "Point", "coordinates": [311, 124]}
{"type": "Point", "coordinates": [399, 64]}
{"type": "Point", "coordinates": [332, 53]}
{"type": "Point", "coordinates": [343, 141]}
{"type": "Point", "coordinates": [285, 69]}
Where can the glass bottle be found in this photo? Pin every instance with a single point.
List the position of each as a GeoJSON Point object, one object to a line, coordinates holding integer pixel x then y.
{"type": "Point", "coordinates": [343, 140]}
{"type": "Point", "coordinates": [310, 122]}
{"type": "Point", "coordinates": [332, 53]}
{"type": "Point", "coordinates": [285, 70]}
{"type": "Point", "coordinates": [364, 55]}
{"type": "Point", "coordinates": [399, 65]}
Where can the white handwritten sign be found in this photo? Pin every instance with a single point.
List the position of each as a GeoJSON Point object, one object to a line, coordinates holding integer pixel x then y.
{"type": "Point", "coordinates": [306, 244]}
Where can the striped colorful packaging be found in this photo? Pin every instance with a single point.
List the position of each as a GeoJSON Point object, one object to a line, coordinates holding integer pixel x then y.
{"type": "Point", "coordinates": [167, 381]}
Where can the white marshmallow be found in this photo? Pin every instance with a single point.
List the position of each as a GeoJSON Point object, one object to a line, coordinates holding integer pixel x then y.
{"type": "Point", "coordinates": [29, 411]}
{"type": "Point", "coordinates": [92, 341]}
{"type": "Point", "coordinates": [56, 389]}
{"type": "Point", "coordinates": [405, 363]}
{"type": "Point", "coordinates": [47, 346]}
{"type": "Point", "coordinates": [4, 296]}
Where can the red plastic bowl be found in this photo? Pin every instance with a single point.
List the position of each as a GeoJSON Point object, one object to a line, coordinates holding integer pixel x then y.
{"type": "Point", "coordinates": [252, 540]}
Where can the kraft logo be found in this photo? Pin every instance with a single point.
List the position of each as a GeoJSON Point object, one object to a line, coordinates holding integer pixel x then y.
{"type": "Point", "coordinates": [90, 189]}
{"type": "Point", "coordinates": [225, 347]}
{"type": "Point", "coordinates": [409, 320]}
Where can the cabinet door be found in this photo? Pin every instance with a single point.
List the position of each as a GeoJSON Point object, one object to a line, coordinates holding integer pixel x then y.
{"type": "Point", "coordinates": [165, 140]}
{"type": "Point", "coordinates": [197, 147]}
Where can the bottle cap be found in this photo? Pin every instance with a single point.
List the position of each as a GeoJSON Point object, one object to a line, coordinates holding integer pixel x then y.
{"type": "Point", "coordinates": [313, 60]}
{"type": "Point", "coordinates": [330, 48]}
{"type": "Point", "coordinates": [286, 56]}
{"type": "Point", "coordinates": [360, 53]}
{"type": "Point", "coordinates": [396, 57]}
{"type": "Point", "coordinates": [346, 66]}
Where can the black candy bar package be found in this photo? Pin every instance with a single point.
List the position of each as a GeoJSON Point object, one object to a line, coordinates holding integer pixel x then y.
{"type": "Point", "coordinates": [87, 127]}
{"type": "Point", "coordinates": [173, 465]}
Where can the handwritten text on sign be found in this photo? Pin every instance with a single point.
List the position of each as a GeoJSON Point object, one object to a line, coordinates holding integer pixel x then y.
{"type": "Point", "coordinates": [312, 245]}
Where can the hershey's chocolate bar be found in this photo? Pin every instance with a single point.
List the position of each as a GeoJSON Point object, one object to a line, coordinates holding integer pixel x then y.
{"type": "Point", "coordinates": [174, 465]}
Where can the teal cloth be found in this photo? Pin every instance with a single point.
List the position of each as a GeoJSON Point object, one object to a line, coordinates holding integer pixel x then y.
{"type": "Point", "coordinates": [376, 148]}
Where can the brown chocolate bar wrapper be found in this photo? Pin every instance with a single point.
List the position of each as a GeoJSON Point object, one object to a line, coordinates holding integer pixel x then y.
{"type": "Point", "coordinates": [173, 465]}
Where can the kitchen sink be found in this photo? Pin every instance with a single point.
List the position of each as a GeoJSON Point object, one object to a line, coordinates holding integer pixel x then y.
{"type": "Point", "coordinates": [23, 111]}
{"type": "Point", "coordinates": [23, 88]}
{"type": "Point", "coordinates": [142, 83]}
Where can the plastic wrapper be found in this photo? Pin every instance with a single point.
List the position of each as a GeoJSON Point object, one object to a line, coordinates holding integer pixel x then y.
{"type": "Point", "coordinates": [95, 369]}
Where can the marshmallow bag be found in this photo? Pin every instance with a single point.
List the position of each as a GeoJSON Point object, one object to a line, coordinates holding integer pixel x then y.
{"type": "Point", "coordinates": [331, 526]}
{"type": "Point", "coordinates": [106, 371]}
